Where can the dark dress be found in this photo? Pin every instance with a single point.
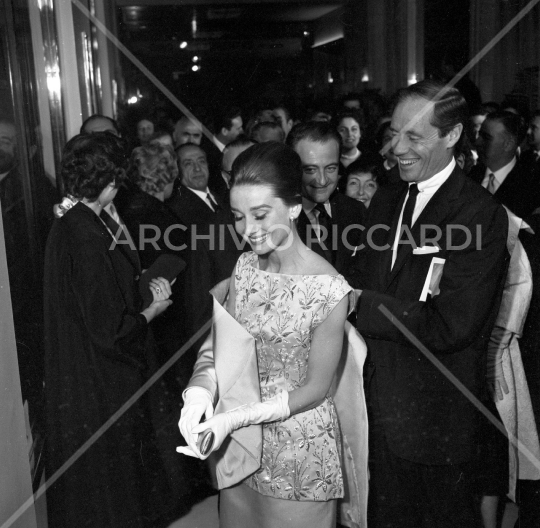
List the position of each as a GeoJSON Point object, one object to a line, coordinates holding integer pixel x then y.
{"type": "Point", "coordinates": [98, 354]}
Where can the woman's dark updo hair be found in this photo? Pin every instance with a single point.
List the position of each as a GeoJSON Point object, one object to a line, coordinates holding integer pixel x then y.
{"type": "Point", "coordinates": [273, 164]}
{"type": "Point", "coordinates": [90, 162]}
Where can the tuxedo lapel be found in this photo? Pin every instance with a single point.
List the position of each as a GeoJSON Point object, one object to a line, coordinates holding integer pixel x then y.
{"type": "Point", "coordinates": [433, 214]}
{"type": "Point", "coordinates": [386, 267]}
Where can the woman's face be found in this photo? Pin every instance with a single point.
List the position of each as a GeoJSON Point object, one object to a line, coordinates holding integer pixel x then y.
{"type": "Point", "coordinates": [349, 130]}
{"type": "Point", "coordinates": [261, 218]}
{"type": "Point", "coordinates": [361, 186]}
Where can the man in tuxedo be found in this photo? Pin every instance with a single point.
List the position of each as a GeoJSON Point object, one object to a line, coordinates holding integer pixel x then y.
{"type": "Point", "coordinates": [330, 222]}
{"type": "Point", "coordinates": [421, 425]}
{"type": "Point", "coordinates": [512, 182]}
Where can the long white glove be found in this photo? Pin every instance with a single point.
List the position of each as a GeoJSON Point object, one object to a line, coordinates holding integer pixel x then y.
{"type": "Point", "coordinates": [223, 424]}
{"type": "Point", "coordinates": [197, 401]}
{"type": "Point", "coordinates": [499, 343]}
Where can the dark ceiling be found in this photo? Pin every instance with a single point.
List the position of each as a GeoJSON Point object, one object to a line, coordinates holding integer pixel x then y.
{"type": "Point", "coordinates": [243, 48]}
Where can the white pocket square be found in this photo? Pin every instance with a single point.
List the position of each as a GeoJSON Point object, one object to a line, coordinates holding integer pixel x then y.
{"type": "Point", "coordinates": [425, 250]}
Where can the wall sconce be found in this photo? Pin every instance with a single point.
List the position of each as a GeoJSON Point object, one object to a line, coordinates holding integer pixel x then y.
{"type": "Point", "coordinates": [412, 79]}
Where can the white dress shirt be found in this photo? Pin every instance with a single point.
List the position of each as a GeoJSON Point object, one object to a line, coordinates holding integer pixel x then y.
{"type": "Point", "coordinates": [426, 190]}
{"type": "Point", "coordinates": [203, 195]}
{"type": "Point", "coordinates": [500, 175]}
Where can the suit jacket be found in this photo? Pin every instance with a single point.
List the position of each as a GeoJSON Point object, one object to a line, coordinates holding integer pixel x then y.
{"type": "Point", "coordinates": [214, 156]}
{"type": "Point", "coordinates": [191, 209]}
{"type": "Point", "coordinates": [520, 191]}
{"type": "Point", "coordinates": [345, 212]}
{"type": "Point", "coordinates": [426, 419]}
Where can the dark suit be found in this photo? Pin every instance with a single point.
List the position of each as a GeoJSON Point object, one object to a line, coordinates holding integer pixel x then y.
{"type": "Point", "coordinates": [520, 190]}
{"type": "Point", "coordinates": [345, 212]}
{"type": "Point", "coordinates": [211, 256]}
{"type": "Point", "coordinates": [420, 417]}
{"type": "Point", "coordinates": [190, 208]}
{"type": "Point", "coordinates": [214, 156]}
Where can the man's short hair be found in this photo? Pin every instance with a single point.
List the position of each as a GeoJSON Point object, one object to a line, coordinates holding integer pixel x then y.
{"type": "Point", "coordinates": [450, 107]}
{"type": "Point", "coordinates": [225, 119]}
{"type": "Point", "coordinates": [271, 125]}
{"type": "Point", "coordinates": [286, 111]}
{"type": "Point", "coordinates": [514, 124]}
{"type": "Point", "coordinates": [184, 146]}
{"type": "Point", "coordinates": [95, 117]}
{"type": "Point", "coordinates": [314, 131]}
{"type": "Point", "coordinates": [239, 142]}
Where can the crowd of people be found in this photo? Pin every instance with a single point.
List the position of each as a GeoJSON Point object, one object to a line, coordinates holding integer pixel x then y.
{"type": "Point", "coordinates": [417, 223]}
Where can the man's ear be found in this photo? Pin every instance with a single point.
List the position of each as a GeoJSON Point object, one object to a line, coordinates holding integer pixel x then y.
{"type": "Point", "coordinates": [454, 135]}
{"type": "Point", "coordinates": [224, 131]}
{"type": "Point", "coordinates": [510, 143]}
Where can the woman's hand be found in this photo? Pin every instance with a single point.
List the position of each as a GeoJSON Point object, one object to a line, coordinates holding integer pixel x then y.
{"type": "Point", "coordinates": [161, 291]}
{"type": "Point", "coordinates": [197, 402]}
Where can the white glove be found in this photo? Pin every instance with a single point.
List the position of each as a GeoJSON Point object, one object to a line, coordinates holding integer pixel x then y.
{"type": "Point", "coordinates": [223, 424]}
{"type": "Point", "coordinates": [499, 343]}
{"type": "Point", "coordinates": [197, 401]}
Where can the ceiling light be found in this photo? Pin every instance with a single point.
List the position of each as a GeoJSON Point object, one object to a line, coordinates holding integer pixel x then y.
{"type": "Point", "coordinates": [195, 58]}
{"type": "Point", "coordinates": [133, 100]}
{"type": "Point", "coordinates": [195, 68]}
{"type": "Point", "coordinates": [183, 45]}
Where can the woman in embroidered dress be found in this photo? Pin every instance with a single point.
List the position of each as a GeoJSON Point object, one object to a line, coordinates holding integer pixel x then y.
{"type": "Point", "coordinates": [294, 304]}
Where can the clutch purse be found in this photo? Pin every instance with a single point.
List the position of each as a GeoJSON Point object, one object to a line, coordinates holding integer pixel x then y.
{"type": "Point", "coordinates": [166, 266]}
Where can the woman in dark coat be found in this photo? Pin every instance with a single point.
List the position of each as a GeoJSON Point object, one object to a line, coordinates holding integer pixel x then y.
{"type": "Point", "coordinates": [98, 354]}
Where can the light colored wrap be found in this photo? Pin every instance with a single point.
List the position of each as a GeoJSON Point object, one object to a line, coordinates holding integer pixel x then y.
{"type": "Point", "coordinates": [228, 360]}
{"type": "Point", "coordinates": [515, 408]}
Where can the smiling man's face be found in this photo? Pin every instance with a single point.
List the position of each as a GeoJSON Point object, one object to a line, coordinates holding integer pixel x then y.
{"type": "Point", "coordinates": [416, 143]}
{"type": "Point", "coordinates": [320, 162]}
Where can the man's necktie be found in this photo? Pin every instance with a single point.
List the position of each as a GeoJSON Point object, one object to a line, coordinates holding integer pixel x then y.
{"type": "Point", "coordinates": [215, 206]}
{"type": "Point", "coordinates": [325, 231]}
{"type": "Point", "coordinates": [406, 219]}
{"type": "Point", "coordinates": [491, 183]}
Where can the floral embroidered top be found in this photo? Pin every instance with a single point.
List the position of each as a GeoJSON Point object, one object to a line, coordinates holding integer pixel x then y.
{"type": "Point", "coordinates": [301, 458]}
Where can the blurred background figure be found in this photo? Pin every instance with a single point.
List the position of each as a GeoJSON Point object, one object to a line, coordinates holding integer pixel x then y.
{"type": "Point", "coordinates": [145, 130]}
{"type": "Point", "coordinates": [267, 131]}
{"type": "Point", "coordinates": [349, 127]}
